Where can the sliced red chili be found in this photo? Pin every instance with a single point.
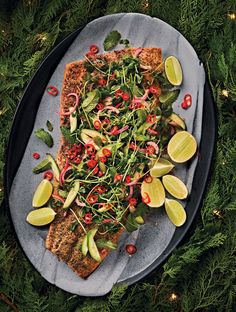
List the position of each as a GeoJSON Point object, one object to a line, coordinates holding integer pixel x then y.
{"type": "Point", "coordinates": [146, 198]}
{"type": "Point", "coordinates": [106, 121]}
{"type": "Point", "coordinates": [114, 130]}
{"type": "Point", "coordinates": [101, 189]}
{"type": "Point", "coordinates": [153, 89]}
{"type": "Point", "coordinates": [151, 118]}
{"type": "Point", "coordinates": [88, 218]}
{"type": "Point", "coordinates": [148, 179]}
{"type": "Point", "coordinates": [48, 175]}
{"type": "Point", "coordinates": [92, 199]}
{"type": "Point", "coordinates": [92, 163]}
{"type": "Point", "coordinates": [188, 99]}
{"type": "Point", "coordinates": [106, 152]}
{"type": "Point", "coordinates": [36, 155]}
{"type": "Point", "coordinates": [100, 173]}
{"type": "Point", "coordinates": [119, 93]}
{"type": "Point", "coordinates": [103, 159]}
{"type": "Point", "coordinates": [131, 249]}
{"type": "Point", "coordinates": [77, 160]}
{"type": "Point", "coordinates": [118, 177]}
{"type": "Point", "coordinates": [100, 106]}
{"type": "Point", "coordinates": [97, 124]}
{"type": "Point", "coordinates": [125, 96]}
{"type": "Point", "coordinates": [90, 149]}
{"type": "Point", "coordinates": [52, 90]}
{"type": "Point", "coordinates": [133, 201]}
{"type": "Point", "coordinates": [95, 170]}
{"type": "Point", "coordinates": [102, 82]}
{"type": "Point", "coordinates": [184, 105]}
{"type": "Point", "coordinates": [128, 179]}
{"type": "Point", "coordinates": [72, 154]}
{"type": "Point", "coordinates": [150, 150]}
{"type": "Point", "coordinates": [94, 49]}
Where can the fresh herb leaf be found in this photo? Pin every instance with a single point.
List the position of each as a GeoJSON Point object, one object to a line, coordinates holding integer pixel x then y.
{"type": "Point", "coordinates": [111, 40]}
{"type": "Point", "coordinates": [74, 226]}
{"type": "Point", "coordinates": [67, 135]}
{"type": "Point", "coordinates": [44, 136]}
{"type": "Point", "coordinates": [97, 140]}
{"type": "Point", "coordinates": [49, 126]}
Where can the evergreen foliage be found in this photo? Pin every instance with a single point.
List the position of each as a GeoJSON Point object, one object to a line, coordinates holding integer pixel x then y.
{"type": "Point", "coordinates": [201, 272]}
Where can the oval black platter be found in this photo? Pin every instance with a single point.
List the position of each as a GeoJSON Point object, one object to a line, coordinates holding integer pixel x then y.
{"type": "Point", "coordinates": [23, 124]}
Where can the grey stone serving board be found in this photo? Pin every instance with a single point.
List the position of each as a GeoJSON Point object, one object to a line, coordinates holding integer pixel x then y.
{"type": "Point", "coordinates": [153, 237]}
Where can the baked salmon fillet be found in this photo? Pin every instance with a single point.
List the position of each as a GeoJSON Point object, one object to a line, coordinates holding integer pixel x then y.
{"type": "Point", "coordinates": [100, 204]}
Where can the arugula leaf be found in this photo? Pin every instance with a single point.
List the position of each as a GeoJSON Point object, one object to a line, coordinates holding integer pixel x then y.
{"type": "Point", "coordinates": [67, 135]}
{"type": "Point", "coordinates": [49, 126]}
{"type": "Point", "coordinates": [111, 40]}
{"type": "Point", "coordinates": [44, 136]}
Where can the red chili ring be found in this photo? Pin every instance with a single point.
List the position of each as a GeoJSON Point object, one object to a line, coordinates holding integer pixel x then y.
{"type": "Point", "coordinates": [148, 179]}
{"type": "Point", "coordinates": [146, 198]}
{"type": "Point", "coordinates": [52, 90]}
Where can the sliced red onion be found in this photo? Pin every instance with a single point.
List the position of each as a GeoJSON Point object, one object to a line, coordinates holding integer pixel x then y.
{"type": "Point", "coordinates": [145, 66]}
{"type": "Point", "coordinates": [73, 109]}
{"type": "Point", "coordinates": [137, 52]}
{"type": "Point", "coordinates": [153, 144]}
{"type": "Point", "coordinates": [131, 191]}
{"type": "Point", "coordinates": [62, 174]}
{"type": "Point", "coordinates": [151, 131]}
{"type": "Point", "coordinates": [132, 183]}
{"type": "Point", "coordinates": [78, 203]}
{"type": "Point", "coordinates": [122, 129]}
{"type": "Point", "coordinates": [58, 198]}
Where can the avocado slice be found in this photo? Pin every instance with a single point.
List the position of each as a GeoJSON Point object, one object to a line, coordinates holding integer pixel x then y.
{"type": "Point", "coordinates": [42, 166]}
{"type": "Point", "coordinates": [72, 194]}
{"type": "Point", "coordinates": [92, 247]}
{"type": "Point", "coordinates": [54, 166]}
{"type": "Point", "coordinates": [73, 121]}
{"type": "Point", "coordinates": [84, 248]}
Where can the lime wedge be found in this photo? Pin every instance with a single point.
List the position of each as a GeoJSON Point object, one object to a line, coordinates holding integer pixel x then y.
{"type": "Point", "coordinates": [41, 217]}
{"type": "Point", "coordinates": [175, 186]}
{"type": "Point", "coordinates": [161, 167]}
{"type": "Point", "coordinates": [42, 193]}
{"type": "Point", "coordinates": [173, 71]}
{"type": "Point", "coordinates": [181, 147]}
{"type": "Point", "coordinates": [175, 212]}
{"type": "Point", "coordinates": [153, 192]}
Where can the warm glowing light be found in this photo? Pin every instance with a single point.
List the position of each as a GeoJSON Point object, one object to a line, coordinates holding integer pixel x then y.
{"type": "Point", "coordinates": [146, 4]}
{"type": "Point", "coordinates": [225, 93]}
{"type": "Point", "coordinates": [232, 16]}
{"type": "Point", "coordinates": [1, 189]}
{"type": "Point", "coordinates": [217, 213]}
{"type": "Point", "coordinates": [173, 297]}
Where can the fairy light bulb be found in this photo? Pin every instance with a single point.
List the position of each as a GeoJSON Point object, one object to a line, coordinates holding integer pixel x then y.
{"type": "Point", "coordinates": [173, 297]}
{"type": "Point", "coordinates": [225, 93]}
{"type": "Point", "coordinates": [232, 16]}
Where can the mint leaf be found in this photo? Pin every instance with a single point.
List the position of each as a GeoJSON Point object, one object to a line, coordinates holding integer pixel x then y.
{"type": "Point", "coordinates": [44, 136]}
{"type": "Point", "coordinates": [111, 40]}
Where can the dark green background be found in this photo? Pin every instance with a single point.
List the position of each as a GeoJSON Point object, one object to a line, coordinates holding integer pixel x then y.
{"type": "Point", "coordinates": [201, 272]}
